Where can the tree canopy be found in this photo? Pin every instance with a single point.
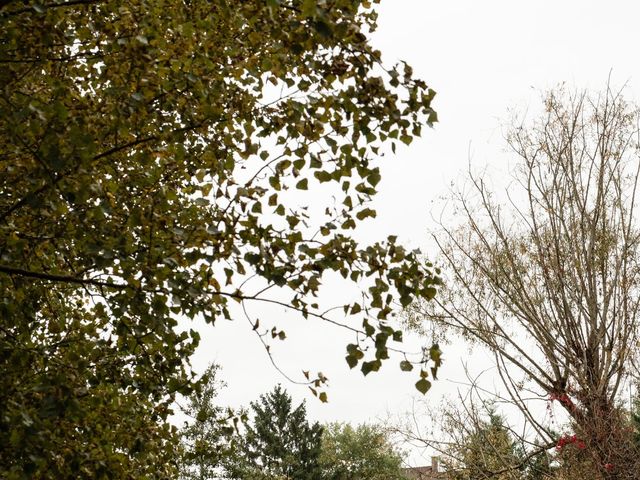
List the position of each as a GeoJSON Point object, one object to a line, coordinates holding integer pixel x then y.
{"type": "Point", "coordinates": [363, 452]}
{"type": "Point", "coordinates": [156, 163]}
{"type": "Point", "coordinates": [276, 440]}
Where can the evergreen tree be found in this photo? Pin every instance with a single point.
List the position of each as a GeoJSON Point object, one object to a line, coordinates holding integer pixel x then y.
{"type": "Point", "coordinates": [489, 451]}
{"type": "Point", "coordinates": [279, 442]}
{"type": "Point", "coordinates": [540, 467]}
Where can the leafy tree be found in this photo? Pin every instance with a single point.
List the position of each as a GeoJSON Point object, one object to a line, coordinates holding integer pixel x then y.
{"type": "Point", "coordinates": [208, 437]}
{"type": "Point", "coordinates": [148, 157]}
{"type": "Point", "coordinates": [69, 403]}
{"type": "Point", "coordinates": [279, 442]}
{"type": "Point", "coordinates": [361, 453]}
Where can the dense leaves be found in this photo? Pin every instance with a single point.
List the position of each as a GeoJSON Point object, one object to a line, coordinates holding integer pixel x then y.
{"type": "Point", "coordinates": [153, 158]}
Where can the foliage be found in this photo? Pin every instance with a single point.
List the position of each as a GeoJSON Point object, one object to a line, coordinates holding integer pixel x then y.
{"type": "Point", "coordinates": [153, 158]}
{"type": "Point", "coordinates": [540, 468]}
{"type": "Point", "coordinates": [361, 453]}
{"type": "Point", "coordinates": [69, 404]}
{"type": "Point", "coordinates": [279, 442]}
{"type": "Point", "coordinates": [208, 437]}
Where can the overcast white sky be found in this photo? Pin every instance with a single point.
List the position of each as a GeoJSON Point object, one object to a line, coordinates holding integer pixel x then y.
{"type": "Point", "coordinates": [483, 59]}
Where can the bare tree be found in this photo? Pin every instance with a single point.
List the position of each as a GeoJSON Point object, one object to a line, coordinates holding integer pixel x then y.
{"type": "Point", "coordinates": [477, 437]}
{"type": "Point", "coordinates": [549, 278]}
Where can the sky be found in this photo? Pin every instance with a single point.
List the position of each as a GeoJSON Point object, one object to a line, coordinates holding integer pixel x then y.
{"type": "Point", "coordinates": [485, 60]}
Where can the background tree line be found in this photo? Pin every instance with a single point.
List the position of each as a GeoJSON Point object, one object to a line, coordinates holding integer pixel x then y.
{"type": "Point", "coordinates": [273, 439]}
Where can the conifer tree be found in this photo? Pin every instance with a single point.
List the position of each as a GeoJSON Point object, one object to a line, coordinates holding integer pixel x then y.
{"type": "Point", "coordinates": [279, 442]}
{"type": "Point", "coordinates": [486, 450]}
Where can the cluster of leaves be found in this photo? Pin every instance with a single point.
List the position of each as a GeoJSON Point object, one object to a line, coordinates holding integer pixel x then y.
{"type": "Point", "coordinates": [69, 403]}
{"type": "Point", "coordinates": [148, 159]}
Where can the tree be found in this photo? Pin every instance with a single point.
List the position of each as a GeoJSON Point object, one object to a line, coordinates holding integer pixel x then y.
{"type": "Point", "coordinates": [549, 280]}
{"type": "Point", "coordinates": [484, 451]}
{"type": "Point", "coordinates": [635, 420]}
{"type": "Point", "coordinates": [155, 162]}
{"type": "Point", "coordinates": [279, 442]}
{"type": "Point", "coordinates": [480, 444]}
{"type": "Point", "coordinates": [361, 453]}
{"type": "Point", "coordinates": [474, 441]}
{"type": "Point", "coordinates": [208, 440]}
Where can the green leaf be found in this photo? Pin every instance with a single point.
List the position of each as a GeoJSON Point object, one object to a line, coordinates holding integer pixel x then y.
{"type": "Point", "coordinates": [351, 361]}
{"type": "Point", "coordinates": [435, 354]}
{"type": "Point", "coordinates": [274, 182]}
{"type": "Point", "coordinates": [308, 8]}
{"type": "Point", "coordinates": [423, 385]}
{"type": "Point", "coordinates": [365, 213]}
{"type": "Point", "coordinates": [406, 366]}
{"type": "Point", "coordinates": [406, 139]}
{"type": "Point", "coordinates": [372, 366]}
{"type": "Point", "coordinates": [322, 176]}
{"type": "Point", "coordinates": [374, 178]}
